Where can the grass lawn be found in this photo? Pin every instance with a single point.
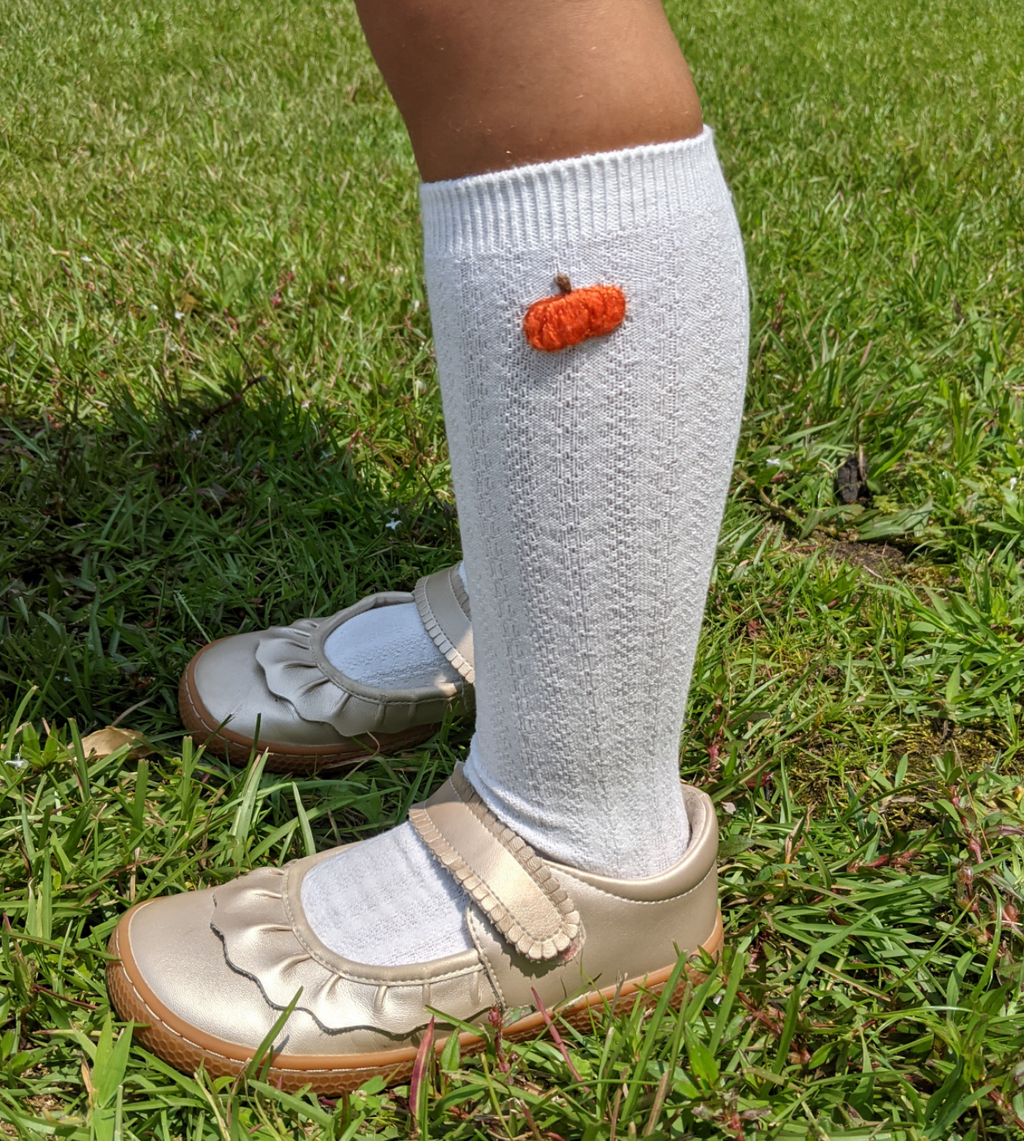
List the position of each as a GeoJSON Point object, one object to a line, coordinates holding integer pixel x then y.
{"type": "Point", "coordinates": [195, 195]}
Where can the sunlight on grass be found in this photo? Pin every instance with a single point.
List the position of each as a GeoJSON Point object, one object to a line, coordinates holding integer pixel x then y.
{"type": "Point", "coordinates": [218, 411]}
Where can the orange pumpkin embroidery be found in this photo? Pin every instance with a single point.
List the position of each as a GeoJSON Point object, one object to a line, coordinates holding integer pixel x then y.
{"type": "Point", "coordinates": [574, 315]}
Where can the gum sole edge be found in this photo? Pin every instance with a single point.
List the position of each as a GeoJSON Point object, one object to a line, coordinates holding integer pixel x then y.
{"type": "Point", "coordinates": [207, 734]}
{"type": "Point", "coordinates": [395, 1065]}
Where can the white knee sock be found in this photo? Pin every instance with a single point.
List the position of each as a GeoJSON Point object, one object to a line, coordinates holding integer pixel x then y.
{"type": "Point", "coordinates": [590, 484]}
{"type": "Point", "coordinates": [389, 647]}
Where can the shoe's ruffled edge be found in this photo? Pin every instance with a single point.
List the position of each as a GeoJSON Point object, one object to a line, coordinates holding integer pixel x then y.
{"type": "Point", "coordinates": [251, 916]}
{"type": "Point", "coordinates": [295, 670]}
{"type": "Point", "coordinates": [291, 671]}
{"type": "Point", "coordinates": [530, 933]}
{"type": "Point", "coordinates": [423, 594]}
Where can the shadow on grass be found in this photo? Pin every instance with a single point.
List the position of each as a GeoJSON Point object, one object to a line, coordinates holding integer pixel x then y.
{"type": "Point", "coordinates": [129, 543]}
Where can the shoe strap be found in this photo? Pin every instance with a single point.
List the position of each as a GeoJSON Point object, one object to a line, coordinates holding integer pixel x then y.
{"type": "Point", "coordinates": [443, 606]}
{"type": "Point", "coordinates": [506, 879]}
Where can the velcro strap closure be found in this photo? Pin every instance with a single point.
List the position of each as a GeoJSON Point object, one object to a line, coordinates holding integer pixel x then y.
{"type": "Point", "coordinates": [506, 879]}
{"type": "Point", "coordinates": [443, 606]}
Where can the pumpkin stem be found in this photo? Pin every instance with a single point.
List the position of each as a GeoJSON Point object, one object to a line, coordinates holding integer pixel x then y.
{"type": "Point", "coordinates": [563, 283]}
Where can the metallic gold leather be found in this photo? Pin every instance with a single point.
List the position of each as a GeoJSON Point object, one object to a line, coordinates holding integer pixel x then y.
{"type": "Point", "coordinates": [225, 961]}
{"type": "Point", "coordinates": [297, 668]}
{"type": "Point", "coordinates": [282, 677]}
{"type": "Point", "coordinates": [187, 1048]}
{"type": "Point", "coordinates": [506, 880]}
{"type": "Point", "coordinates": [182, 962]}
{"type": "Point", "coordinates": [265, 935]}
{"type": "Point", "coordinates": [633, 927]}
{"type": "Point", "coordinates": [443, 606]}
{"type": "Point", "coordinates": [231, 689]}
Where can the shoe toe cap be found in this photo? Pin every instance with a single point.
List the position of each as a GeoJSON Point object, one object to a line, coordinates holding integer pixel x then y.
{"type": "Point", "coordinates": [225, 687]}
{"type": "Point", "coordinates": [173, 976]}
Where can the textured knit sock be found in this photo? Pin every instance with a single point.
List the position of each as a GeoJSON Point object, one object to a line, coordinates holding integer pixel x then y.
{"type": "Point", "coordinates": [386, 902]}
{"type": "Point", "coordinates": [389, 647]}
{"type": "Point", "coordinates": [590, 484]}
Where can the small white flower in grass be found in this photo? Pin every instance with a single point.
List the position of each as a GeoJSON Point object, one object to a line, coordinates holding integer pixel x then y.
{"type": "Point", "coordinates": [342, 279]}
{"type": "Point", "coordinates": [195, 433]}
{"type": "Point", "coordinates": [393, 524]}
{"type": "Point", "coordinates": [153, 307]}
{"type": "Point", "coordinates": [17, 762]}
{"type": "Point", "coordinates": [774, 463]}
{"type": "Point", "coordinates": [178, 313]}
{"type": "Point", "coordinates": [88, 259]}
{"type": "Point", "coordinates": [729, 808]}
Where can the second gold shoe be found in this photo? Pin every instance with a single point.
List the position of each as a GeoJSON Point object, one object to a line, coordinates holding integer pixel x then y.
{"type": "Point", "coordinates": [310, 715]}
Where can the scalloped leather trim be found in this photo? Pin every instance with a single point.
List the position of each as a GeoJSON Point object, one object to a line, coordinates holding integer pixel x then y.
{"type": "Point", "coordinates": [524, 901]}
{"type": "Point", "coordinates": [296, 669]}
{"type": "Point", "coordinates": [443, 606]}
{"type": "Point", "coordinates": [266, 937]}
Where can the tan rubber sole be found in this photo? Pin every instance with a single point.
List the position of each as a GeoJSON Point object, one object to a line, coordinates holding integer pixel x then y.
{"type": "Point", "coordinates": [206, 731]}
{"type": "Point", "coordinates": [186, 1048]}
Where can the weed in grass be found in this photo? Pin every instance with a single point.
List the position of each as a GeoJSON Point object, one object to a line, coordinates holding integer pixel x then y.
{"type": "Point", "coordinates": [194, 197]}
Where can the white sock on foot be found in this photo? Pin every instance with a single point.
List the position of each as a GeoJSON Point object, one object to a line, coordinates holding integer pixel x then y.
{"type": "Point", "coordinates": [389, 647]}
{"type": "Point", "coordinates": [590, 485]}
{"type": "Point", "coordinates": [350, 902]}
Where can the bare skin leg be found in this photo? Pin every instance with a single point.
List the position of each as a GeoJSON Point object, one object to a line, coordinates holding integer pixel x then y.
{"type": "Point", "coordinates": [484, 85]}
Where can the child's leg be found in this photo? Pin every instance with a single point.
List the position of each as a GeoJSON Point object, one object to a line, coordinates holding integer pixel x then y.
{"type": "Point", "coordinates": [488, 86]}
{"type": "Point", "coordinates": [590, 482]}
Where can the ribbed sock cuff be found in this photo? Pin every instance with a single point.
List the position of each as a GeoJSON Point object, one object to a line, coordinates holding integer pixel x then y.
{"type": "Point", "coordinates": [571, 200]}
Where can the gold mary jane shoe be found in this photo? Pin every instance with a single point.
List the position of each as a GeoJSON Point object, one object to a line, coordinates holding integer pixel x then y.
{"type": "Point", "coordinates": [310, 715]}
{"type": "Point", "coordinates": [206, 974]}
